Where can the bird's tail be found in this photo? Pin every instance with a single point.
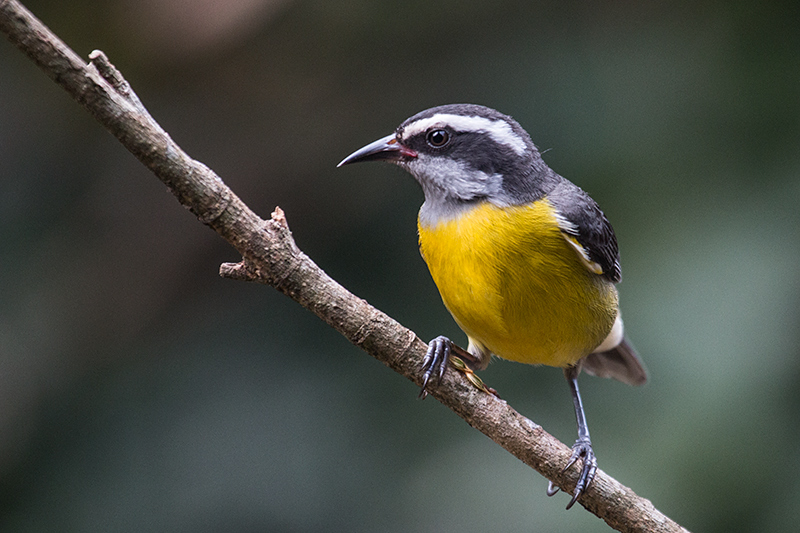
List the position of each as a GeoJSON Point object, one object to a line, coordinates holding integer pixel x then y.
{"type": "Point", "coordinates": [621, 363]}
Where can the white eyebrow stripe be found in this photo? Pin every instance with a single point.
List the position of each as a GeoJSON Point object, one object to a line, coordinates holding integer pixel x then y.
{"type": "Point", "coordinates": [499, 130]}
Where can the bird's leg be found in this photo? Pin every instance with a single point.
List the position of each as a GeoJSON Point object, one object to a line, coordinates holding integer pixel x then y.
{"type": "Point", "coordinates": [472, 362]}
{"type": "Point", "coordinates": [583, 446]}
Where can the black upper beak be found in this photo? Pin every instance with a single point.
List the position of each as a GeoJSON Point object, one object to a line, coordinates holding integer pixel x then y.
{"type": "Point", "coordinates": [385, 149]}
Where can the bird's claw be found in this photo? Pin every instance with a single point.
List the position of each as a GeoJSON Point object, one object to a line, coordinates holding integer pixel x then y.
{"type": "Point", "coordinates": [435, 362]}
{"type": "Point", "coordinates": [581, 449]}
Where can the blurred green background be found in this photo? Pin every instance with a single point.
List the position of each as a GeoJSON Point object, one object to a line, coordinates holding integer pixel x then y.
{"type": "Point", "coordinates": [142, 392]}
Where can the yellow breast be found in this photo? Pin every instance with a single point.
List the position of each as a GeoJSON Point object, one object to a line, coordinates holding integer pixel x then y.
{"type": "Point", "coordinates": [516, 287]}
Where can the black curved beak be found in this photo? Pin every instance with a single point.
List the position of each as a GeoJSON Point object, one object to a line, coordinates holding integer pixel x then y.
{"type": "Point", "coordinates": [385, 149]}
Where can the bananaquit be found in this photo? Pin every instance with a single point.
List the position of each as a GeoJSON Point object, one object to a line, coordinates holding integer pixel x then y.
{"type": "Point", "coordinates": [525, 261]}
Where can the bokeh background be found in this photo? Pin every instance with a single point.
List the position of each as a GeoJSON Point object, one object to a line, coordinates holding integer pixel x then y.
{"type": "Point", "coordinates": [142, 392]}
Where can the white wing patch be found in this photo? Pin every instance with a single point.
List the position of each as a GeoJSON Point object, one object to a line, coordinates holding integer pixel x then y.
{"type": "Point", "coordinates": [499, 130]}
{"type": "Point", "coordinates": [570, 232]}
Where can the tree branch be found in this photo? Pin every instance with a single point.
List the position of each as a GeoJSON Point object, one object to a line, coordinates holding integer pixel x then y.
{"type": "Point", "coordinates": [270, 256]}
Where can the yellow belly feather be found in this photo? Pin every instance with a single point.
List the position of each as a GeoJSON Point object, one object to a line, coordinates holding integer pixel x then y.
{"type": "Point", "coordinates": [515, 286]}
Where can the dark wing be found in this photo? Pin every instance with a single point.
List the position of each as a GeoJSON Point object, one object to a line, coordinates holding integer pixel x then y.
{"type": "Point", "coordinates": [587, 228]}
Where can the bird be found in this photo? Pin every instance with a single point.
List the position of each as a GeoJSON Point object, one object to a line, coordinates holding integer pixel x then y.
{"type": "Point", "coordinates": [524, 260]}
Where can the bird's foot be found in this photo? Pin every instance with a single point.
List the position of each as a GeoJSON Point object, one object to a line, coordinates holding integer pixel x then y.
{"type": "Point", "coordinates": [435, 362]}
{"type": "Point", "coordinates": [581, 449]}
{"type": "Point", "coordinates": [441, 351]}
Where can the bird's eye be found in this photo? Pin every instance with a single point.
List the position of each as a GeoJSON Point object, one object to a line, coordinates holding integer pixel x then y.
{"type": "Point", "coordinates": [438, 138]}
